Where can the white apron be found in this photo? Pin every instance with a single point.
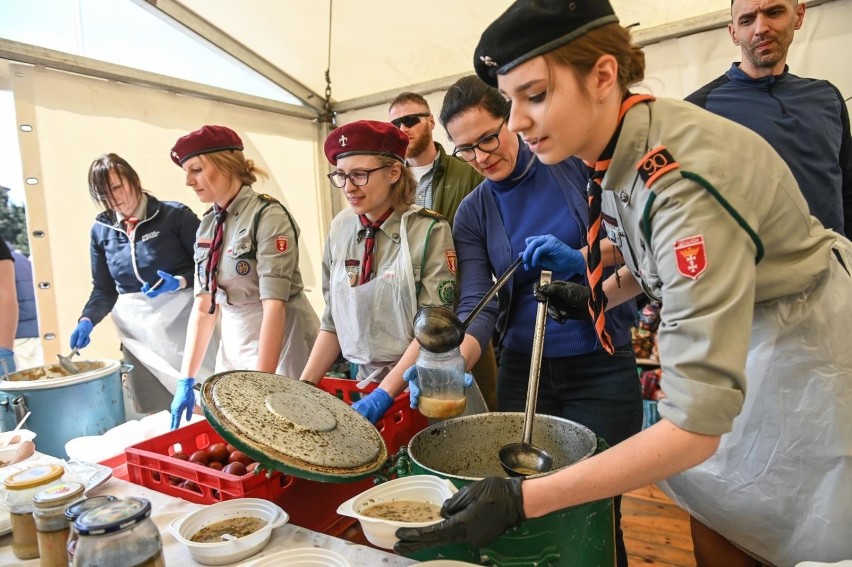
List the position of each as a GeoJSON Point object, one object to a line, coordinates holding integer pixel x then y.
{"type": "Point", "coordinates": [153, 329]}
{"type": "Point", "coordinates": [238, 349]}
{"type": "Point", "coordinates": [375, 321]}
{"type": "Point", "coordinates": [780, 485]}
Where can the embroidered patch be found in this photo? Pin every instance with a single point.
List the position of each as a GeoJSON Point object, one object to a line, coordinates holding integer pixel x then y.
{"type": "Point", "coordinates": [281, 244]}
{"type": "Point", "coordinates": [203, 243]}
{"type": "Point", "coordinates": [243, 268]}
{"type": "Point", "coordinates": [655, 164]}
{"type": "Point", "coordinates": [451, 260]}
{"type": "Point", "coordinates": [150, 235]}
{"type": "Point", "coordinates": [447, 292]}
{"type": "Point", "coordinates": [352, 269]}
{"type": "Point", "coordinates": [691, 256]}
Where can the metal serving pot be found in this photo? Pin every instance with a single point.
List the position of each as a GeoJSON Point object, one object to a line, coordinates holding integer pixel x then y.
{"type": "Point", "coordinates": [466, 449]}
{"type": "Point", "coordinates": [64, 406]}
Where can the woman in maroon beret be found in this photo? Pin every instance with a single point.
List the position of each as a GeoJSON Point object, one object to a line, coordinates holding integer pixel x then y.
{"type": "Point", "coordinates": [755, 435]}
{"type": "Point", "coordinates": [246, 267]}
{"type": "Point", "coordinates": [384, 259]}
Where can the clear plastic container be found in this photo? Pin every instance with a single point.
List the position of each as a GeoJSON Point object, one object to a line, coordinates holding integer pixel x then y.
{"type": "Point", "coordinates": [118, 534]}
{"type": "Point", "coordinates": [440, 377]}
{"type": "Point", "coordinates": [20, 489]}
{"type": "Point", "coordinates": [52, 526]}
{"type": "Point", "coordinates": [73, 512]}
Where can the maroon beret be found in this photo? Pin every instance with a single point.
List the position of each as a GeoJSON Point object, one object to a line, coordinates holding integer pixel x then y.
{"type": "Point", "coordinates": [205, 140]}
{"type": "Point", "coordinates": [366, 137]}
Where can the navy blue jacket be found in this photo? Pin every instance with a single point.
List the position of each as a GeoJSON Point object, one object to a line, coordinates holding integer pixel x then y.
{"type": "Point", "coordinates": [27, 314]}
{"type": "Point", "coordinates": [806, 121]}
{"type": "Point", "coordinates": [164, 240]}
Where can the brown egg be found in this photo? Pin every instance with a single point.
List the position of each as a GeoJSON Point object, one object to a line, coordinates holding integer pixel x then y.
{"type": "Point", "coordinates": [218, 452]}
{"type": "Point", "coordinates": [230, 448]}
{"type": "Point", "coordinates": [180, 455]}
{"type": "Point", "coordinates": [175, 480]}
{"type": "Point", "coordinates": [215, 465]}
{"type": "Point", "coordinates": [239, 457]}
{"type": "Point", "coordinates": [200, 457]}
{"type": "Point", "coordinates": [235, 468]}
{"type": "Point", "coordinates": [252, 466]}
{"type": "Point", "coordinates": [155, 476]}
{"type": "Point", "coordinates": [190, 485]}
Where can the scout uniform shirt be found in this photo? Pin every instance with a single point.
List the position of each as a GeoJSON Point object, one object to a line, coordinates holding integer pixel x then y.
{"type": "Point", "coordinates": [423, 274]}
{"type": "Point", "coordinates": [684, 213]}
{"type": "Point", "coordinates": [755, 293]}
{"type": "Point", "coordinates": [259, 260]}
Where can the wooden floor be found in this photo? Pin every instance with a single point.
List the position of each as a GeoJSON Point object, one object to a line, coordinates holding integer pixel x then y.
{"type": "Point", "coordinates": [656, 531]}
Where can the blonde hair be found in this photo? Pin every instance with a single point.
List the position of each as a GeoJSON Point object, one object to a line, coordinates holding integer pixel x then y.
{"type": "Point", "coordinates": [403, 189]}
{"type": "Point", "coordinates": [581, 54]}
{"type": "Point", "coordinates": [234, 162]}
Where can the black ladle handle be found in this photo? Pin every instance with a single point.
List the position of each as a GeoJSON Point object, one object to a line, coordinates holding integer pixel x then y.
{"type": "Point", "coordinates": [491, 293]}
{"type": "Point", "coordinates": [535, 361]}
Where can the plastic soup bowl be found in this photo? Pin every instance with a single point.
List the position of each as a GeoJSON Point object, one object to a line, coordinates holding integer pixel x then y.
{"type": "Point", "coordinates": [421, 488]}
{"type": "Point", "coordinates": [221, 553]}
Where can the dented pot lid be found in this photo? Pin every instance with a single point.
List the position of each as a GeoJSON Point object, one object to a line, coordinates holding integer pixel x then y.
{"type": "Point", "coordinates": [292, 426]}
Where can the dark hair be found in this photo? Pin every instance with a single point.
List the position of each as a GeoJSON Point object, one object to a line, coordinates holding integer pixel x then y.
{"type": "Point", "coordinates": [99, 178]}
{"type": "Point", "coordinates": [408, 97]}
{"type": "Point", "coordinates": [470, 92]}
{"type": "Point", "coordinates": [582, 53]}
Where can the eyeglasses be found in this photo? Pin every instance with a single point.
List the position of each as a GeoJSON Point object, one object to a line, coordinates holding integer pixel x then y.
{"type": "Point", "coordinates": [359, 177]}
{"type": "Point", "coordinates": [485, 144]}
{"type": "Point", "coordinates": [409, 120]}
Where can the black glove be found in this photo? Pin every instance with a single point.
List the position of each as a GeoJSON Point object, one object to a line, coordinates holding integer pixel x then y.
{"type": "Point", "coordinates": [566, 300]}
{"type": "Point", "coordinates": [476, 514]}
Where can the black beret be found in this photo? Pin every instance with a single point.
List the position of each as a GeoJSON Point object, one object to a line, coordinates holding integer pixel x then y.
{"type": "Point", "coordinates": [533, 27]}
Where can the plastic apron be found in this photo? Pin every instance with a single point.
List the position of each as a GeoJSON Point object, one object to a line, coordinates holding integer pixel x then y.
{"type": "Point", "coordinates": [153, 329]}
{"type": "Point", "coordinates": [240, 343]}
{"type": "Point", "coordinates": [780, 485]}
{"type": "Point", "coordinates": [374, 337]}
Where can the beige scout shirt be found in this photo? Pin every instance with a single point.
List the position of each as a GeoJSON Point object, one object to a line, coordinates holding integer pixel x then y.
{"type": "Point", "coordinates": [435, 271]}
{"type": "Point", "coordinates": [247, 275]}
{"type": "Point", "coordinates": [722, 227]}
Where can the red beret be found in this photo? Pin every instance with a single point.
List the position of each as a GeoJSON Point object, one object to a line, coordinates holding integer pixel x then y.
{"type": "Point", "coordinates": [205, 140]}
{"type": "Point", "coordinates": [366, 137]}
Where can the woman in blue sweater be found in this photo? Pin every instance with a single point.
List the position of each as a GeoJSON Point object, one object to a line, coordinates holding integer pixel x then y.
{"type": "Point", "coordinates": [142, 273]}
{"type": "Point", "coordinates": [521, 198]}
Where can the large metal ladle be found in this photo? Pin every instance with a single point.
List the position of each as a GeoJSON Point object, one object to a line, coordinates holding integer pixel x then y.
{"type": "Point", "coordinates": [524, 459]}
{"type": "Point", "coordinates": [66, 362]}
{"type": "Point", "coordinates": [437, 329]}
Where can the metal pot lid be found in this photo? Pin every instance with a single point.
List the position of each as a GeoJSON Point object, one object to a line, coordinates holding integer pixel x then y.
{"type": "Point", "coordinates": [292, 426]}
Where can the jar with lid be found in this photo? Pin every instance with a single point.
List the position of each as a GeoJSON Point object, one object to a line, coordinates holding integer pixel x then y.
{"type": "Point", "coordinates": [20, 489]}
{"type": "Point", "coordinates": [51, 525]}
{"type": "Point", "coordinates": [440, 378]}
{"type": "Point", "coordinates": [74, 511]}
{"type": "Point", "coordinates": [119, 534]}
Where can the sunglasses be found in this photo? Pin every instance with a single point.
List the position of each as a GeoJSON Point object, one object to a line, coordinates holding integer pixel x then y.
{"type": "Point", "coordinates": [409, 120]}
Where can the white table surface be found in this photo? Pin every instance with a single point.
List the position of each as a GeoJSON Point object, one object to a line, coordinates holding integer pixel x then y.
{"type": "Point", "coordinates": [166, 508]}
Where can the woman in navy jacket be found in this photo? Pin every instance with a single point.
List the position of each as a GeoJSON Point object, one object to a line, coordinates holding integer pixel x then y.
{"type": "Point", "coordinates": [142, 273]}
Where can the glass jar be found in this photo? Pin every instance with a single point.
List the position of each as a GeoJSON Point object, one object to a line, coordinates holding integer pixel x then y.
{"type": "Point", "coordinates": [119, 534]}
{"type": "Point", "coordinates": [73, 512]}
{"type": "Point", "coordinates": [440, 377]}
{"type": "Point", "coordinates": [20, 489]}
{"type": "Point", "coordinates": [52, 526]}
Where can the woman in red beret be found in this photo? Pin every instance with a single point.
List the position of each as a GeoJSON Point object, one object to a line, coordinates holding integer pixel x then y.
{"type": "Point", "coordinates": [384, 259]}
{"type": "Point", "coordinates": [246, 266]}
{"type": "Point", "coordinates": [755, 435]}
{"type": "Point", "coordinates": [142, 275]}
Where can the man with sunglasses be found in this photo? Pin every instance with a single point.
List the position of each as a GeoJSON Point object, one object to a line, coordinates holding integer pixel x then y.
{"type": "Point", "coordinates": [442, 183]}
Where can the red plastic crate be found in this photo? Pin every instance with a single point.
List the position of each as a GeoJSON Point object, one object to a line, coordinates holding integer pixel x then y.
{"type": "Point", "coordinates": [310, 504]}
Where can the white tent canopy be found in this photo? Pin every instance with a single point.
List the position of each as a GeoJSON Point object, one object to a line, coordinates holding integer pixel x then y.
{"type": "Point", "coordinates": [79, 108]}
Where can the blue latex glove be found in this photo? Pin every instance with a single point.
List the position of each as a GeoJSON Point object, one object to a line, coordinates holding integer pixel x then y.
{"type": "Point", "coordinates": [184, 400]}
{"type": "Point", "coordinates": [374, 405]}
{"type": "Point", "coordinates": [550, 253]}
{"type": "Point", "coordinates": [170, 283]}
{"type": "Point", "coordinates": [80, 336]}
{"type": "Point", "coordinates": [7, 361]}
{"type": "Point", "coordinates": [410, 376]}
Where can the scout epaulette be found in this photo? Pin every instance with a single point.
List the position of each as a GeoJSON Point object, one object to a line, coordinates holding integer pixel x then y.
{"type": "Point", "coordinates": [431, 214]}
{"type": "Point", "coordinates": [267, 198]}
{"type": "Point", "coordinates": [655, 164]}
